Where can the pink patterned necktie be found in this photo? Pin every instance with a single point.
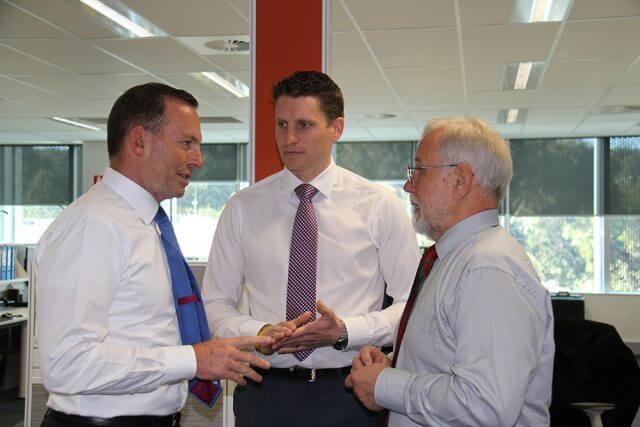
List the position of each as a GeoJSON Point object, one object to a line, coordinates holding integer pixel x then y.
{"type": "Point", "coordinates": [303, 258]}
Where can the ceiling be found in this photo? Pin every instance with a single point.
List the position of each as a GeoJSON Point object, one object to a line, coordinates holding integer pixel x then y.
{"type": "Point", "coordinates": [414, 59]}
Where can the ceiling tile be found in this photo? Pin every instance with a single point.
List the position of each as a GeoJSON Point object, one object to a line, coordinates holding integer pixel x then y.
{"type": "Point", "coordinates": [485, 77]}
{"type": "Point", "coordinates": [414, 48]}
{"type": "Point", "coordinates": [355, 134]}
{"type": "Point", "coordinates": [509, 130]}
{"type": "Point", "coordinates": [485, 12]}
{"type": "Point", "coordinates": [156, 55]}
{"type": "Point", "coordinates": [356, 104]}
{"type": "Point", "coordinates": [360, 82]}
{"type": "Point", "coordinates": [17, 24]}
{"type": "Point", "coordinates": [30, 124]}
{"type": "Point", "coordinates": [74, 55]}
{"type": "Point", "coordinates": [547, 130]}
{"type": "Point", "coordinates": [568, 97]}
{"type": "Point", "coordinates": [587, 9]}
{"type": "Point", "coordinates": [604, 128]}
{"type": "Point", "coordinates": [600, 39]}
{"type": "Point", "coordinates": [584, 72]}
{"type": "Point", "coordinates": [417, 81]}
{"type": "Point", "coordinates": [12, 109]}
{"type": "Point", "coordinates": [553, 115]}
{"type": "Point", "coordinates": [16, 63]}
{"type": "Point", "coordinates": [595, 117]}
{"type": "Point", "coordinates": [69, 86]}
{"type": "Point", "coordinates": [632, 75]}
{"type": "Point", "coordinates": [408, 133]}
{"type": "Point", "coordinates": [200, 18]}
{"type": "Point", "coordinates": [227, 107]}
{"type": "Point", "coordinates": [348, 51]}
{"type": "Point", "coordinates": [508, 43]}
{"type": "Point", "coordinates": [401, 14]}
{"type": "Point", "coordinates": [188, 83]}
{"type": "Point", "coordinates": [67, 17]}
{"type": "Point", "coordinates": [11, 89]}
{"type": "Point", "coordinates": [434, 102]}
{"type": "Point", "coordinates": [339, 19]}
{"type": "Point", "coordinates": [501, 99]}
{"type": "Point", "coordinates": [55, 106]}
{"type": "Point", "coordinates": [622, 95]}
{"type": "Point", "coordinates": [231, 62]}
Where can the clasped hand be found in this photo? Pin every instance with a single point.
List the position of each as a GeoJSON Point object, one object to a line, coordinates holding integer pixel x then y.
{"type": "Point", "coordinates": [366, 368]}
{"type": "Point", "coordinates": [300, 334]}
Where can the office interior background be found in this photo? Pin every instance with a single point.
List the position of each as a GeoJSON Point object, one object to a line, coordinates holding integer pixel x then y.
{"type": "Point", "coordinates": [560, 79]}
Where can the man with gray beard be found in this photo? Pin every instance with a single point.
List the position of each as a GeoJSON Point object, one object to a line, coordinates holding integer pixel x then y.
{"type": "Point", "coordinates": [475, 342]}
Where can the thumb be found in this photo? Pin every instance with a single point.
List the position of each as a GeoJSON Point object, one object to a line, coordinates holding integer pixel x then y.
{"type": "Point", "coordinates": [348, 382]}
{"type": "Point", "coordinates": [323, 309]}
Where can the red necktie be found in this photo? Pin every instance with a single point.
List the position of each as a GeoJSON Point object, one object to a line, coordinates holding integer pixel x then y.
{"type": "Point", "coordinates": [426, 264]}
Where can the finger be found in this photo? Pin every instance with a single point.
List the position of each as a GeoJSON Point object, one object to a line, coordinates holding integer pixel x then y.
{"type": "Point", "coordinates": [365, 356]}
{"type": "Point", "coordinates": [348, 382]}
{"type": "Point", "coordinates": [357, 363]}
{"type": "Point", "coordinates": [237, 378]}
{"type": "Point", "coordinates": [289, 350]}
{"type": "Point", "coordinates": [301, 320]}
{"type": "Point", "coordinates": [251, 374]}
{"type": "Point", "coordinates": [249, 343]}
{"type": "Point", "coordinates": [250, 358]}
{"type": "Point", "coordinates": [323, 309]}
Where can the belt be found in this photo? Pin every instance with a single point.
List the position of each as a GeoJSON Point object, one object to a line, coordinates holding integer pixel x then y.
{"type": "Point", "coordinates": [308, 375]}
{"type": "Point", "coordinates": [122, 421]}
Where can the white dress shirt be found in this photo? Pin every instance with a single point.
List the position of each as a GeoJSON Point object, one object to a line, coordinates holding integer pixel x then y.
{"type": "Point", "coordinates": [107, 328]}
{"type": "Point", "coordinates": [365, 239]}
{"type": "Point", "coordinates": [478, 348]}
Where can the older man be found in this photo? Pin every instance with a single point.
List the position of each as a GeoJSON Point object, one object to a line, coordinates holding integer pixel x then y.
{"type": "Point", "coordinates": [475, 342]}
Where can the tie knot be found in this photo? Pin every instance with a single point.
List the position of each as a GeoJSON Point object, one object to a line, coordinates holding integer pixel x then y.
{"type": "Point", "coordinates": [161, 216]}
{"type": "Point", "coordinates": [306, 191]}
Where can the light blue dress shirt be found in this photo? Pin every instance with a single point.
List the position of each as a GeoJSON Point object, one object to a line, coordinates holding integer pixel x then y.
{"type": "Point", "coordinates": [478, 348]}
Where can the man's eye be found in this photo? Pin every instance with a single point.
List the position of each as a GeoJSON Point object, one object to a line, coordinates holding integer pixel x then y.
{"type": "Point", "coordinates": [281, 125]}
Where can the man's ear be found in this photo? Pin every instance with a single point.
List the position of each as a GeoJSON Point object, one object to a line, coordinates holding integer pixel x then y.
{"type": "Point", "coordinates": [464, 176]}
{"type": "Point", "coordinates": [338, 128]}
{"type": "Point", "coordinates": [136, 140]}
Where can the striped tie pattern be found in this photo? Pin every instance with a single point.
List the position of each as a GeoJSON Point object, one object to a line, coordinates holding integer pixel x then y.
{"type": "Point", "coordinates": [303, 257]}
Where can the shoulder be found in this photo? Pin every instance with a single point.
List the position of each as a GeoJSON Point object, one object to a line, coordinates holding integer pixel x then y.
{"type": "Point", "coordinates": [359, 183]}
{"type": "Point", "coordinates": [261, 190]}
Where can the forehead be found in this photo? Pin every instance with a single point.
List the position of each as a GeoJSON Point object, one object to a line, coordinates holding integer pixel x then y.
{"type": "Point", "coordinates": [298, 107]}
{"type": "Point", "coordinates": [428, 148]}
{"type": "Point", "coordinates": [181, 116]}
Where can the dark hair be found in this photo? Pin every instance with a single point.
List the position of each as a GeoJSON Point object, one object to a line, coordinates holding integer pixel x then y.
{"type": "Point", "coordinates": [316, 84]}
{"type": "Point", "coordinates": [141, 105]}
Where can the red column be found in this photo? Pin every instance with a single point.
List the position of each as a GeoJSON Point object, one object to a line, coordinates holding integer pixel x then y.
{"type": "Point", "coordinates": [287, 37]}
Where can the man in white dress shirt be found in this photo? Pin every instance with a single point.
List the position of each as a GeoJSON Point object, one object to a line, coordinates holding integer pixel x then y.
{"type": "Point", "coordinates": [478, 345]}
{"type": "Point", "coordinates": [109, 342]}
{"type": "Point", "coordinates": [364, 241]}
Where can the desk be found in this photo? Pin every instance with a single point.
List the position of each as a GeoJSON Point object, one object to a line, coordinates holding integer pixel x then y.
{"type": "Point", "coordinates": [24, 340]}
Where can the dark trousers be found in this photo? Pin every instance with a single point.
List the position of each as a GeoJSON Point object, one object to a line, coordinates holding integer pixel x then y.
{"type": "Point", "coordinates": [281, 402]}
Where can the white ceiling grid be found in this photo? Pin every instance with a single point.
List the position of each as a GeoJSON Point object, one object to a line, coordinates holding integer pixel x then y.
{"type": "Point", "coordinates": [417, 59]}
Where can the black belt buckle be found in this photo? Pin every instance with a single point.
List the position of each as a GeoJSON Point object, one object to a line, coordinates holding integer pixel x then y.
{"type": "Point", "coordinates": [304, 372]}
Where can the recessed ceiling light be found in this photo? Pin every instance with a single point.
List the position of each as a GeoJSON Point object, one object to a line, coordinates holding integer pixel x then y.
{"type": "Point", "coordinates": [380, 116]}
{"type": "Point", "coordinates": [512, 116]}
{"type": "Point", "coordinates": [531, 11]}
{"type": "Point", "coordinates": [75, 123]}
{"type": "Point", "coordinates": [120, 18]}
{"type": "Point", "coordinates": [522, 75]}
{"type": "Point", "coordinates": [228, 83]}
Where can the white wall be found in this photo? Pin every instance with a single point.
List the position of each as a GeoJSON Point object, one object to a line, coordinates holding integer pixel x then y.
{"type": "Point", "coordinates": [621, 311]}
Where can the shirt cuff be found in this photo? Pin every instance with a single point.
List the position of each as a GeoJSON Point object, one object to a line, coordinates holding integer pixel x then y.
{"type": "Point", "coordinates": [180, 361]}
{"type": "Point", "coordinates": [390, 389]}
{"type": "Point", "coordinates": [250, 328]}
{"type": "Point", "coordinates": [358, 332]}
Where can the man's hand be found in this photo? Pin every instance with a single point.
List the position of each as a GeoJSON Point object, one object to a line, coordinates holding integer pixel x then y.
{"type": "Point", "coordinates": [319, 333]}
{"type": "Point", "coordinates": [229, 358]}
{"type": "Point", "coordinates": [369, 355]}
{"type": "Point", "coordinates": [282, 330]}
{"type": "Point", "coordinates": [363, 383]}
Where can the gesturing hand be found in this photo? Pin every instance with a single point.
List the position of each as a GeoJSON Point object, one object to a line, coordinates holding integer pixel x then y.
{"type": "Point", "coordinates": [282, 330]}
{"type": "Point", "coordinates": [369, 355]}
{"type": "Point", "coordinates": [321, 332]}
{"type": "Point", "coordinates": [230, 358]}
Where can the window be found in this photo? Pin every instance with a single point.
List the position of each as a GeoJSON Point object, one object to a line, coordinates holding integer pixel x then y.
{"type": "Point", "coordinates": [195, 215]}
{"type": "Point", "coordinates": [37, 182]}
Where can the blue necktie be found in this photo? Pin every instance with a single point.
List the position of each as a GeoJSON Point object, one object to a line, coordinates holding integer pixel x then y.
{"type": "Point", "coordinates": [192, 318]}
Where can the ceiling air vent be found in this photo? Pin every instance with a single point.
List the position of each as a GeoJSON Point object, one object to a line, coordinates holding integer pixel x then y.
{"type": "Point", "coordinates": [226, 46]}
{"type": "Point", "coordinates": [617, 109]}
{"type": "Point", "coordinates": [203, 120]}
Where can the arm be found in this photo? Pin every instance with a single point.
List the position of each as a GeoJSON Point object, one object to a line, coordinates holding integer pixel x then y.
{"type": "Point", "coordinates": [398, 256]}
{"type": "Point", "coordinates": [224, 278]}
{"type": "Point", "coordinates": [78, 273]}
{"type": "Point", "coordinates": [499, 339]}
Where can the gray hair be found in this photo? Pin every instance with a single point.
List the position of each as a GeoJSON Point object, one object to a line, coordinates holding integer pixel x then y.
{"type": "Point", "coordinates": [470, 140]}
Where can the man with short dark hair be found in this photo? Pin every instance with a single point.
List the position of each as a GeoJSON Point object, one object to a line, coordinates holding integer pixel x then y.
{"type": "Point", "coordinates": [475, 344]}
{"type": "Point", "coordinates": [314, 245]}
{"type": "Point", "coordinates": [120, 320]}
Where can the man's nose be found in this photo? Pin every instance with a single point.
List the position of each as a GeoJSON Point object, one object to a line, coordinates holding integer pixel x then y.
{"type": "Point", "coordinates": [409, 187]}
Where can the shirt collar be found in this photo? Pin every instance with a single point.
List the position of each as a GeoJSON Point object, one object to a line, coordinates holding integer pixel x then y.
{"type": "Point", "coordinates": [323, 182]}
{"type": "Point", "coordinates": [465, 229]}
{"type": "Point", "coordinates": [137, 197]}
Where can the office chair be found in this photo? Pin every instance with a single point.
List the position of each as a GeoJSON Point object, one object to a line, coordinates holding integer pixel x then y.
{"type": "Point", "coordinates": [592, 364]}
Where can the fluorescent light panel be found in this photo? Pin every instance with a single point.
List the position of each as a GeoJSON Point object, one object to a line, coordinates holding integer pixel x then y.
{"type": "Point", "coordinates": [120, 18]}
{"type": "Point", "coordinates": [512, 115]}
{"type": "Point", "coordinates": [532, 11]}
{"type": "Point", "coordinates": [75, 123]}
{"type": "Point", "coordinates": [522, 76]}
{"type": "Point", "coordinates": [540, 10]}
{"type": "Point", "coordinates": [230, 84]}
